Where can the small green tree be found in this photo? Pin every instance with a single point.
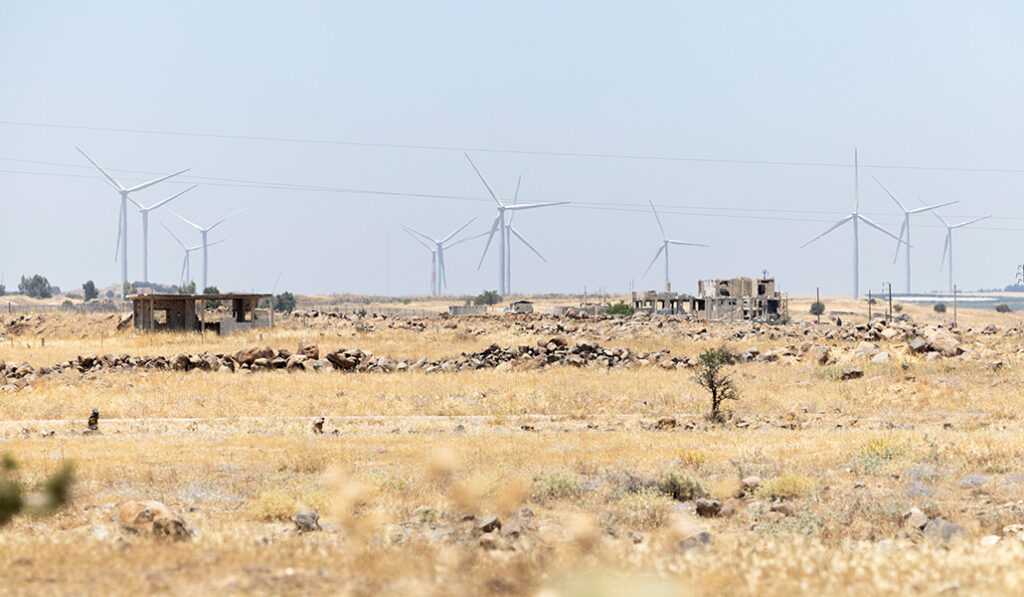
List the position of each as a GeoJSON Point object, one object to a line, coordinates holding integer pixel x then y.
{"type": "Point", "coordinates": [89, 290]}
{"type": "Point", "coordinates": [127, 288]}
{"type": "Point", "coordinates": [189, 288]}
{"type": "Point", "coordinates": [284, 302]}
{"type": "Point", "coordinates": [1003, 308]}
{"type": "Point", "coordinates": [35, 287]}
{"type": "Point", "coordinates": [488, 297]}
{"type": "Point", "coordinates": [897, 307]}
{"type": "Point", "coordinates": [713, 377]}
{"type": "Point", "coordinates": [817, 308]}
{"type": "Point", "coordinates": [619, 308]}
{"type": "Point", "coordinates": [939, 307]}
{"type": "Point", "coordinates": [211, 304]}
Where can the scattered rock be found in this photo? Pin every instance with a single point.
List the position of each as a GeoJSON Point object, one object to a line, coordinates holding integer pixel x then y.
{"type": "Point", "coordinates": [783, 508]}
{"type": "Point", "coordinates": [489, 524]}
{"type": "Point", "coordinates": [943, 532]}
{"type": "Point", "coordinates": [708, 507]}
{"type": "Point", "coordinates": [881, 358]}
{"type": "Point", "coordinates": [989, 540]}
{"type": "Point", "coordinates": [306, 521]}
{"type": "Point", "coordinates": [915, 518]}
{"type": "Point", "coordinates": [851, 373]}
{"type": "Point", "coordinates": [697, 541]}
{"type": "Point", "coordinates": [152, 518]}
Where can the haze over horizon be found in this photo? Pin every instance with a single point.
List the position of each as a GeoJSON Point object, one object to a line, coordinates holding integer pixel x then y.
{"type": "Point", "coordinates": [384, 98]}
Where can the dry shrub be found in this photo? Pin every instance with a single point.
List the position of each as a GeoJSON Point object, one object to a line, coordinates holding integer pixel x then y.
{"type": "Point", "coordinates": [786, 487]}
{"type": "Point", "coordinates": [554, 485]}
{"type": "Point", "coordinates": [649, 508]}
{"type": "Point", "coordinates": [693, 458]}
{"type": "Point", "coordinates": [681, 486]}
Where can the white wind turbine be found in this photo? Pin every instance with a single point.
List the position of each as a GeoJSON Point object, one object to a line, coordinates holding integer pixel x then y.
{"type": "Point", "coordinates": [905, 228]}
{"type": "Point", "coordinates": [947, 246]}
{"type": "Point", "coordinates": [506, 232]}
{"type": "Point", "coordinates": [186, 263]}
{"type": "Point", "coordinates": [145, 227]}
{"type": "Point", "coordinates": [438, 277]}
{"type": "Point", "coordinates": [122, 224]}
{"type": "Point", "coordinates": [856, 218]}
{"type": "Point", "coordinates": [665, 242]}
{"type": "Point", "coordinates": [204, 232]}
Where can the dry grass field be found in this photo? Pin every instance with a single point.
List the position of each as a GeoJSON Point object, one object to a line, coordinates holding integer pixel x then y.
{"type": "Point", "coordinates": [593, 496]}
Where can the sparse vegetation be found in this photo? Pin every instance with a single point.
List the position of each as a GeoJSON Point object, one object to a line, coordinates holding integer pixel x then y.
{"type": "Point", "coordinates": [487, 297]}
{"type": "Point", "coordinates": [52, 496]}
{"type": "Point", "coordinates": [681, 486]}
{"type": "Point", "coordinates": [817, 308]}
{"type": "Point", "coordinates": [553, 485]}
{"type": "Point", "coordinates": [620, 308]}
{"type": "Point", "coordinates": [89, 291]}
{"type": "Point", "coordinates": [36, 287]}
{"type": "Point", "coordinates": [939, 307]}
{"type": "Point", "coordinates": [211, 304]}
{"type": "Point", "coordinates": [897, 307]}
{"type": "Point", "coordinates": [712, 376]}
{"type": "Point", "coordinates": [284, 302]}
{"type": "Point", "coordinates": [1003, 308]}
{"type": "Point", "coordinates": [788, 486]}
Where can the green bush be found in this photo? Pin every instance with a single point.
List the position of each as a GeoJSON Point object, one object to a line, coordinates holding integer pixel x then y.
{"type": "Point", "coordinates": [35, 287]}
{"type": "Point", "coordinates": [1003, 308]}
{"type": "Point", "coordinates": [939, 307]}
{"type": "Point", "coordinates": [553, 485]}
{"type": "Point", "coordinates": [619, 308]}
{"type": "Point", "coordinates": [13, 501]}
{"type": "Point", "coordinates": [211, 290]}
{"type": "Point", "coordinates": [284, 302]}
{"type": "Point", "coordinates": [488, 297]}
{"type": "Point", "coordinates": [89, 291]}
{"type": "Point", "coordinates": [817, 308]}
{"type": "Point", "coordinates": [897, 307]}
{"type": "Point", "coordinates": [681, 486]}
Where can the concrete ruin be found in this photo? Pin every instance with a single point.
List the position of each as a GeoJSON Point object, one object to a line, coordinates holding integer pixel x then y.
{"type": "Point", "coordinates": [522, 306]}
{"type": "Point", "coordinates": [179, 313]}
{"type": "Point", "coordinates": [467, 309]}
{"type": "Point", "coordinates": [732, 299]}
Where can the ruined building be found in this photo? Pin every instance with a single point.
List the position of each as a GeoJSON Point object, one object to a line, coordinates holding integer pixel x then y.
{"type": "Point", "coordinates": [733, 299]}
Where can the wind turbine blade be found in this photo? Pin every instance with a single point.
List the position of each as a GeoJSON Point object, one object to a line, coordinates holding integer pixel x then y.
{"type": "Point", "coordinates": [486, 184]}
{"type": "Point", "coordinates": [221, 221]}
{"type": "Point", "coordinates": [515, 200]}
{"type": "Point", "coordinates": [944, 223]}
{"type": "Point", "coordinates": [137, 204]}
{"type": "Point", "coordinates": [945, 247]}
{"type": "Point", "coordinates": [173, 236]}
{"type": "Point", "coordinates": [414, 234]}
{"type": "Point", "coordinates": [655, 260]}
{"type": "Point", "coordinates": [679, 242]}
{"type": "Point", "coordinates": [184, 262]}
{"type": "Point", "coordinates": [120, 231]}
{"type": "Point", "coordinates": [190, 223]}
{"type": "Point", "coordinates": [887, 192]}
{"type": "Point", "coordinates": [931, 207]}
{"type": "Point", "coordinates": [490, 237]}
{"type": "Point", "coordinates": [155, 180]}
{"type": "Point", "coordinates": [834, 226]}
{"type": "Point", "coordinates": [533, 205]}
{"type": "Point", "coordinates": [116, 184]}
{"type": "Point", "coordinates": [208, 245]}
{"type": "Point", "coordinates": [171, 198]}
{"type": "Point", "coordinates": [899, 243]}
{"type": "Point", "coordinates": [969, 222]}
{"type": "Point", "coordinates": [467, 239]}
{"type": "Point", "coordinates": [880, 229]}
{"type": "Point", "coordinates": [440, 266]}
{"type": "Point", "coordinates": [449, 237]}
{"type": "Point", "coordinates": [520, 237]}
{"type": "Point", "coordinates": [432, 241]}
{"type": "Point", "coordinates": [660, 227]}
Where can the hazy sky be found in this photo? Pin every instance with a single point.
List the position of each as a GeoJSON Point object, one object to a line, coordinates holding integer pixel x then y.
{"type": "Point", "coordinates": [908, 84]}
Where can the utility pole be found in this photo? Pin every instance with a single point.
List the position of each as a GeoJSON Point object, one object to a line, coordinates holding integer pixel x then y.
{"type": "Point", "coordinates": [869, 307]}
{"type": "Point", "coordinates": [954, 305]}
{"type": "Point", "coordinates": [890, 302]}
{"type": "Point", "coordinates": [817, 299]}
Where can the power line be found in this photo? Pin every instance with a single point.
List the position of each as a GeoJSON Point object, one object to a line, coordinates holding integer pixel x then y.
{"type": "Point", "coordinates": [746, 213]}
{"type": "Point", "coordinates": [531, 152]}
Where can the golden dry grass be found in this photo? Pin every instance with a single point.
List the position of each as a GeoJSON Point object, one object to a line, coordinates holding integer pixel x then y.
{"type": "Point", "coordinates": [849, 458]}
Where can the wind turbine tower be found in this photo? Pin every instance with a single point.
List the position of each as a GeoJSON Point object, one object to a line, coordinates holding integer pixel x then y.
{"type": "Point", "coordinates": [947, 246]}
{"type": "Point", "coordinates": [905, 228]}
{"type": "Point", "coordinates": [500, 224]}
{"type": "Point", "coordinates": [122, 225]}
{"type": "Point", "coordinates": [186, 263]}
{"type": "Point", "coordinates": [665, 242]}
{"type": "Point", "coordinates": [206, 246]}
{"type": "Point", "coordinates": [439, 278]}
{"type": "Point", "coordinates": [856, 218]}
{"type": "Point", "coordinates": [145, 227]}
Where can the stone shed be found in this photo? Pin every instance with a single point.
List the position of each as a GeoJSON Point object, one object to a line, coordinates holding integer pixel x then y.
{"type": "Point", "coordinates": [181, 313]}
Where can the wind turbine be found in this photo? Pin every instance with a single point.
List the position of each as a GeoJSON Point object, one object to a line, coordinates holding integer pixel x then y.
{"type": "Point", "coordinates": [122, 224]}
{"type": "Point", "coordinates": [506, 231]}
{"type": "Point", "coordinates": [665, 242]}
{"type": "Point", "coordinates": [186, 264]}
{"type": "Point", "coordinates": [204, 232]}
{"type": "Point", "coordinates": [439, 278]}
{"type": "Point", "coordinates": [856, 218]}
{"type": "Point", "coordinates": [906, 225]}
{"type": "Point", "coordinates": [145, 227]}
{"type": "Point", "coordinates": [947, 246]}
